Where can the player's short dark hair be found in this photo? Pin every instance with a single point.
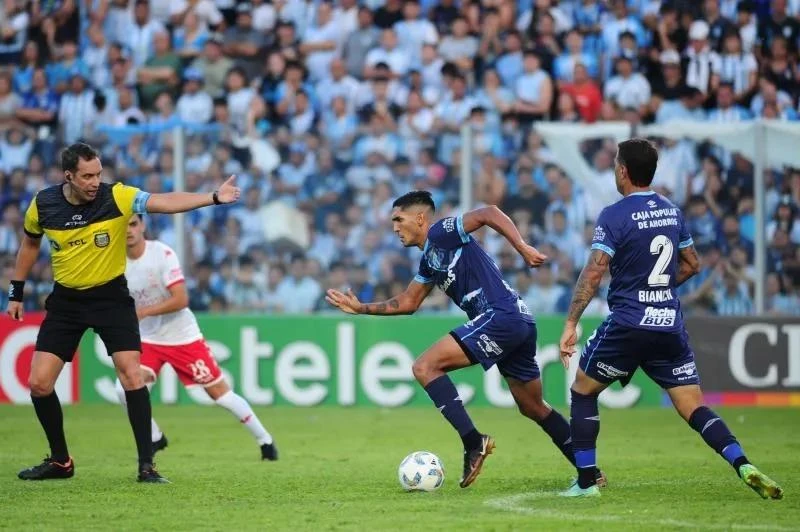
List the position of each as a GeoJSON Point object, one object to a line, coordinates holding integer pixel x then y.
{"type": "Point", "coordinates": [640, 157]}
{"type": "Point", "coordinates": [415, 197]}
{"type": "Point", "coordinates": [74, 153]}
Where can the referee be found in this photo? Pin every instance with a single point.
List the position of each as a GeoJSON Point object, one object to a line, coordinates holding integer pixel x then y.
{"type": "Point", "coordinates": [86, 221]}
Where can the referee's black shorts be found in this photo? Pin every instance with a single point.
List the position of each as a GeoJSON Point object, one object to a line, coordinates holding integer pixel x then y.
{"type": "Point", "coordinates": [109, 309]}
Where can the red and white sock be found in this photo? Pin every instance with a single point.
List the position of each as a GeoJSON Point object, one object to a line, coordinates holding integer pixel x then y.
{"type": "Point", "coordinates": [239, 407]}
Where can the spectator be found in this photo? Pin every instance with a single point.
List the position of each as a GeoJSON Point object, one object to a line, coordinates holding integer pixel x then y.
{"type": "Point", "coordinates": [727, 110]}
{"type": "Point", "coordinates": [320, 42]}
{"type": "Point", "coordinates": [194, 106]}
{"type": "Point", "coordinates": [534, 90]}
{"type": "Point", "coordinates": [414, 32]}
{"type": "Point", "coordinates": [213, 66]}
{"type": "Point", "coordinates": [703, 62]}
{"type": "Point", "coordinates": [731, 300]}
{"type": "Point", "coordinates": [76, 111]}
{"type": "Point", "coordinates": [9, 101]}
{"type": "Point", "coordinates": [191, 35]}
{"type": "Point", "coordinates": [737, 68]}
{"type": "Point", "coordinates": [459, 47]}
{"type": "Point", "coordinates": [628, 88]}
{"type": "Point", "coordinates": [574, 55]}
{"type": "Point", "coordinates": [390, 53]}
{"type": "Point", "coordinates": [359, 43]}
{"type": "Point", "coordinates": [298, 291]}
{"type": "Point", "coordinates": [13, 32]}
{"type": "Point", "coordinates": [140, 35]}
{"type": "Point", "coordinates": [161, 72]}
{"type": "Point", "coordinates": [585, 92]}
{"type": "Point", "coordinates": [243, 43]}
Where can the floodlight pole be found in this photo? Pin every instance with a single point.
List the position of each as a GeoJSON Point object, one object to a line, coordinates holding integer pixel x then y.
{"type": "Point", "coordinates": [179, 181]}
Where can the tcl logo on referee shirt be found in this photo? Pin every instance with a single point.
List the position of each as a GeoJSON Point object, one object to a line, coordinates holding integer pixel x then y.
{"type": "Point", "coordinates": [17, 344]}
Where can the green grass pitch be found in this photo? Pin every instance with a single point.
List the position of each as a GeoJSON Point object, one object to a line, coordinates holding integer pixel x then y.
{"type": "Point", "coordinates": [338, 472]}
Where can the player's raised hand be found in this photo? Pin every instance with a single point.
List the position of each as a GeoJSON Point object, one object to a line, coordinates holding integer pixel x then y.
{"type": "Point", "coordinates": [533, 257]}
{"type": "Point", "coordinates": [348, 302]}
{"type": "Point", "coordinates": [15, 310]}
{"type": "Point", "coordinates": [569, 339]}
{"type": "Point", "coordinates": [228, 192]}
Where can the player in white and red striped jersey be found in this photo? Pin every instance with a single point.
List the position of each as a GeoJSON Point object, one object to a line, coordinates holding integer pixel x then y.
{"type": "Point", "coordinates": [170, 334]}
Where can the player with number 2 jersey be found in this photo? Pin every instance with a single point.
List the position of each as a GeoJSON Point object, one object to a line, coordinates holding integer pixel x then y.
{"type": "Point", "coordinates": [170, 333]}
{"type": "Point", "coordinates": [644, 242]}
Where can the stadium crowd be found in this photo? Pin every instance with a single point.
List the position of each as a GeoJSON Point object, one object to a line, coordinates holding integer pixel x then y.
{"type": "Point", "coordinates": [331, 109]}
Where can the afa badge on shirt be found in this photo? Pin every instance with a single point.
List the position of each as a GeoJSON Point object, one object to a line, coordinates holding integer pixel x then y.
{"type": "Point", "coordinates": [102, 239]}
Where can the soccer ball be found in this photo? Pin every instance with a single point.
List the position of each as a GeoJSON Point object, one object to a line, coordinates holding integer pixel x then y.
{"type": "Point", "coordinates": [421, 471]}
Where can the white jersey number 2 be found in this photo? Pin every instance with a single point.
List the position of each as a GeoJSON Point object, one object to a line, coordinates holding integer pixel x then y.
{"type": "Point", "coordinates": [661, 246]}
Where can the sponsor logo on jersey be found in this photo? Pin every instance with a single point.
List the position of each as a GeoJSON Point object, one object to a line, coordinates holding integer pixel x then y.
{"type": "Point", "coordinates": [652, 204]}
{"type": "Point", "coordinates": [449, 224]}
{"type": "Point", "coordinates": [659, 317]}
{"type": "Point", "coordinates": [690, 368]}
{"type": "Point", "coordinates": [451, 278]}
{"type": "Point", "coordinates": [609, 371]}
{"type": "Point", "coordinates": [435, 258]}
{"type": "Point", "coordinates": [489, 346]}
{"type": "Point", "coordinates": [102, 240]}
{"type": "Point", "coordinates": [55, 245]}
{"type": "Point", "coordinates": [599, 234]}
{"type": "Point", "coordinates": [77, 221]}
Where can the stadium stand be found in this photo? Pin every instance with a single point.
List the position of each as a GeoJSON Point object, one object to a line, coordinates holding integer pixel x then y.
{"type": "Point", "coordinates": [328, 110]}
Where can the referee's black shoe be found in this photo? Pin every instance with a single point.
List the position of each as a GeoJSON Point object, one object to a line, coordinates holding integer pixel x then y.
{"type": "Point", "coordinates": [48, 469]}
{"type": "Point", "coordinates": [160, 444]}
{"type": "Point", "coordinates": [148, 473]}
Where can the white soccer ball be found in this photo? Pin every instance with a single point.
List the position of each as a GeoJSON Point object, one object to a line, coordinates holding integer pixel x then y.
{"type": "Point", "coordinates": [421, 471]}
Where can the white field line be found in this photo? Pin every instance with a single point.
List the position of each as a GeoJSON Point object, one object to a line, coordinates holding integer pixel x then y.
{"type": "Point", "coordinates": [520, 503]}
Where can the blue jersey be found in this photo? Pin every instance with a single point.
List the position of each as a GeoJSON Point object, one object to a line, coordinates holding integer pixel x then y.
{"type": "Point", "coordinates": [465, 272]}
{"type": "Point", "coordinates": [643, 233]}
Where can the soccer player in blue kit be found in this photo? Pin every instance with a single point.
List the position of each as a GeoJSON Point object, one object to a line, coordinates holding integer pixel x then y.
{"type": "Point", "coordinates": [500, 330]}
{"type": "Point", "coordinates": [644, 240]}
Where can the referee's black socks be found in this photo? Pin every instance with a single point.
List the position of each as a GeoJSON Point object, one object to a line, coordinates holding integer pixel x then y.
{"type": "Point", "coordinates": [139, 414]}
{"type": "Point", "coordinates": [48, 410]}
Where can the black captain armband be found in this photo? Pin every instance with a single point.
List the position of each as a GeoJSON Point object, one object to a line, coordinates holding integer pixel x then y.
{"type": "Point", "coordinates": [15, 290]}
{"type": "Point", "coordinates": [215, 197]}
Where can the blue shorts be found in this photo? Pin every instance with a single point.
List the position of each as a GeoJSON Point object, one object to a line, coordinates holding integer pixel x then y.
{"type": "Point", "coordinates": [614, 352]}
{"type": "Point", "coordinates": [505, 339]}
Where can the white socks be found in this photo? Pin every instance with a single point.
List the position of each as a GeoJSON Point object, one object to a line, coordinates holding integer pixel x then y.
{"type": "Point", "coordinates": [156, 433]}
{"type": "Point", "coordinates": [236, 404]}
{"type": "Point", "coordinates": [239, 407]}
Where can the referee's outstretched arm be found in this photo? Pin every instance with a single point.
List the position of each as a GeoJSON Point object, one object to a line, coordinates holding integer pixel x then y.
{"type": "Point", "coordinates": [173, 202]}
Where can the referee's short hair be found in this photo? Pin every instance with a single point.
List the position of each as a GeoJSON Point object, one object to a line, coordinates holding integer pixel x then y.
{"type": "Point", "coordinates": [74, 153]}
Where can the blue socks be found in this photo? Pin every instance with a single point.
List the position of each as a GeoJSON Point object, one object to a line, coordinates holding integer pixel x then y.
{"type": "Point", "coordinates": [558, 429]}
{"type": "Point", "coordinates": [444, 395]}
{"type": "Point", "coordinates": [585, 426]}
{"type": "Point", "coordinates": [716, 434]}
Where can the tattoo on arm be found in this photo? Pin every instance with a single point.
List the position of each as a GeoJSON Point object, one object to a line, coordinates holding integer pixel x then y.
{"type": "Point", "coordinates": [589, 280]}
{"type": "Point", "coordinates": [384, 307]}
{"type": "Point", "coordinates": [688, 265]}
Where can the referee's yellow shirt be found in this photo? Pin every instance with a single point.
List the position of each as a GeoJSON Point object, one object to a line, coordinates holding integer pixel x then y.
{"type": "Point", "coordinates": [87, 241]}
